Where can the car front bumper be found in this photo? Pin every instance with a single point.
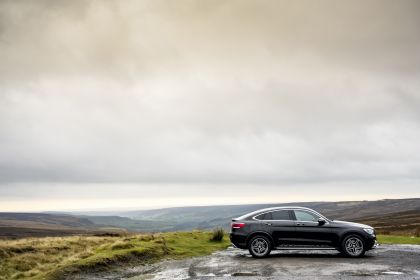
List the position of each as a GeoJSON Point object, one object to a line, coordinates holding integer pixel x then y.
{"type": "Point", "coordinates": [371, 242]}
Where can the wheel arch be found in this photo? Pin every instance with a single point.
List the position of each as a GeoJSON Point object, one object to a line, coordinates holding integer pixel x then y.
{"type": "Point", "coordinates": [351, 232]}
{"type": "Point", "coordinates": [263, 233]}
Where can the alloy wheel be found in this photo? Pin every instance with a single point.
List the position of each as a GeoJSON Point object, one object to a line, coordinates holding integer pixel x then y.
{"type": "Point", "coordinates": [354, 246]}
{"type": "Point", "coordinates": [259, 246]}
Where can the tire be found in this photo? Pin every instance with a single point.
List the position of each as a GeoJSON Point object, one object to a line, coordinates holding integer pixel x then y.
{"type": "Point", "coordinates": [353, 246]}
{"type": "Point", "coordinates": [259, 246]}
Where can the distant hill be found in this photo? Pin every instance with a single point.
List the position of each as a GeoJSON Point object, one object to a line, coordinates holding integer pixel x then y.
{"type": "Point", "coordinates": [205, 217]}
{"type": "Point", "coordinates": [388, 216]}
{"type": "Point", "coordinates": [344, 209]}
{"type": "Point", "coordinates": [129, 224]}
{"type": "Point", "coordinates": [40, 224]}
{"type": "Point", "coordinates": [45, 219]}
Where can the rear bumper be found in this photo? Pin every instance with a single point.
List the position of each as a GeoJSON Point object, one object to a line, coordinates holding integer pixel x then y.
{"type": "Point", "coordinates": [238, 240]}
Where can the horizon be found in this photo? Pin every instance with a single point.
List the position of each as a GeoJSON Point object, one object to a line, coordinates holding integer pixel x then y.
{"type": "Point", "coordinates": [151, 103]}
{"type": "Point", "coordinates": [86, 211]}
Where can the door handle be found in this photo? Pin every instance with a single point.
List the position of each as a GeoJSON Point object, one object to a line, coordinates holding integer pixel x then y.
{"type": "Point", "coordinates": [267, 224]}
{"type": "Point", "coordinates": [300, 224]}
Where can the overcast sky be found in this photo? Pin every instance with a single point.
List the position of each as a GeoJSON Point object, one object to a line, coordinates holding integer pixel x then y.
{"type": "Point", "coordinates": [139, 104]}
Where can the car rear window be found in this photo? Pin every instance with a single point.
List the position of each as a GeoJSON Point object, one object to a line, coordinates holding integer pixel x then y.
{"type": "Point", "coordinates": [281, 215]}
{"type": "Point", "coordinates": [265, 216]}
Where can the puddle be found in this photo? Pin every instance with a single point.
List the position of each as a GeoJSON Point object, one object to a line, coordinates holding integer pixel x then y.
{"type": "Point", "coordinates": [233, 264]}
{"type": "Point", "coordinates": [392, 272]}
{"type": "Point", "coordinates": [176, 274]}
{"type": "Point", "coordinates": [244, 274]}
{"type": "Point", "coordinates": [206, 275]}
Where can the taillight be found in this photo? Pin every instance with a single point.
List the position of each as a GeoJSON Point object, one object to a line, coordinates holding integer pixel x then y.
{"type": "Point", "coordinates": [238, 225]}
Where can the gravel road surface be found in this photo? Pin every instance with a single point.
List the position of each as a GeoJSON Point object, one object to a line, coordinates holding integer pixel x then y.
{"type": "Point", "coordinates": [386, 262]}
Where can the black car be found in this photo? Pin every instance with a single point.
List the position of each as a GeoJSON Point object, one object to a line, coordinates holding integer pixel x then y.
{"type": "Point", "coordinates": [299, 228]}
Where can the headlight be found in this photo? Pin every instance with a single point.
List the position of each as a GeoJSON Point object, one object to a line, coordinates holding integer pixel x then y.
{"type": "Point", "coordinates": [369, 230]}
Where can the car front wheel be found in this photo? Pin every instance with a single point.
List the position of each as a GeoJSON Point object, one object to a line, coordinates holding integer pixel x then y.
{"type": "Point", "coordinates": [353, 246]}
{"type": "Point", "coordinates": [259, 246]}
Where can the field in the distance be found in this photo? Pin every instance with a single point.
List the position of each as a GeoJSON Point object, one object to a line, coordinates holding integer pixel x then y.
{"type": "Point", "coordinates": [398, 239]}
{"type": "Point", "coordinates": [17, 225]}
{"type": "Point", "coordinates": [54, 257]}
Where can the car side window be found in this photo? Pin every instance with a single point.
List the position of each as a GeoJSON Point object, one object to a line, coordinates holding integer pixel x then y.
{"type": "Point", "coordinates": [305, 216]}
{"type": "Point", "coordinates": [281, 215]}
{"type": "Point", "coordinates": [263, 217]}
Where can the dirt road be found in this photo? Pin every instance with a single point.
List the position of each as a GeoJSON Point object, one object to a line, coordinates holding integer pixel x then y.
{"type": "Point", "coordinates": [386, 262]}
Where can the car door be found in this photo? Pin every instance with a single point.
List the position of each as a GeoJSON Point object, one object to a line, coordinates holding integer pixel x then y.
{"type": "Point", "coordinates": [281, 225]}
{"type": "Point", "coordinates": [308, 231]}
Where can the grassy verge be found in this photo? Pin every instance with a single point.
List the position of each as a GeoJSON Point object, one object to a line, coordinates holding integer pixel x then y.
{"type": "Point", "coordinates": [397, 239]}
{"type": "Point", "coordinates": [54, 257]}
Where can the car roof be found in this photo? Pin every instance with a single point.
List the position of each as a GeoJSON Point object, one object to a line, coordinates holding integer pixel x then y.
{"type": "Point", "coordinates": [273, 209]}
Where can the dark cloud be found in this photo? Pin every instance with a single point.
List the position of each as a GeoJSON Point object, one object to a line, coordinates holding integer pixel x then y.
{"type": "Point", "coordinates": [209, 92]}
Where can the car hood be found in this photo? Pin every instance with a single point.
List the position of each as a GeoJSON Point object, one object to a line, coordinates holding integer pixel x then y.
{"type": "Point", "coordinates": [344, 223]}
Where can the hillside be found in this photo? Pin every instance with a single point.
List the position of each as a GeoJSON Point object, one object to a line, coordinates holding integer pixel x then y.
{"type": "Point", "coordinates": [344, 209]}
{"type": "Point", "coordinates": [397, 216]}
{"type": "Point", "coordinates": [129, 224]}
{"type": "Point", "coordinates": [39, 224]}
{"type": "Point", "coordinates": [58, 258]}
{"type": "Point", "coordinates": [45, 219]}
{"type": "Point", "coordinates": [389, 214]}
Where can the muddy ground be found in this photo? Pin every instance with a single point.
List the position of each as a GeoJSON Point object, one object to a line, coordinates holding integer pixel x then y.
{"type": "Point", "coordinates": [386, 262]}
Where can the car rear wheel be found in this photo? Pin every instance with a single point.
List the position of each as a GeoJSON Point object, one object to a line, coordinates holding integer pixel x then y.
{"type": "Point", "coordinates": [259, 246]}
{"type": "Point", "coordinates": [353, 246]}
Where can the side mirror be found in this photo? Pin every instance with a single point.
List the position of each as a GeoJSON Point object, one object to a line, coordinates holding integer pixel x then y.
{"type": "Point", "coordinates": [321, 221]}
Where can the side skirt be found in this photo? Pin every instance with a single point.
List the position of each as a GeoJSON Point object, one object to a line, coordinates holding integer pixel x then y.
{"type": "Point", "coordinates": [304, 247]}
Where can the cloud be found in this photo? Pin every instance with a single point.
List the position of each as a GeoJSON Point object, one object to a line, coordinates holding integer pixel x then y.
{"type": "Point", "coordinates": [214, 92]}
{"type": "Point", "coordinates": [134, 38]}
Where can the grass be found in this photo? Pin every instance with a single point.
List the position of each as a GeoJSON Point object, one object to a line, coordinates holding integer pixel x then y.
{"type": "Point", "coordinates": [398, 239]}
{"type": "Point", "coordinates": [218, 234]}
{"type": "Point", "coordinates": [53, 257]}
